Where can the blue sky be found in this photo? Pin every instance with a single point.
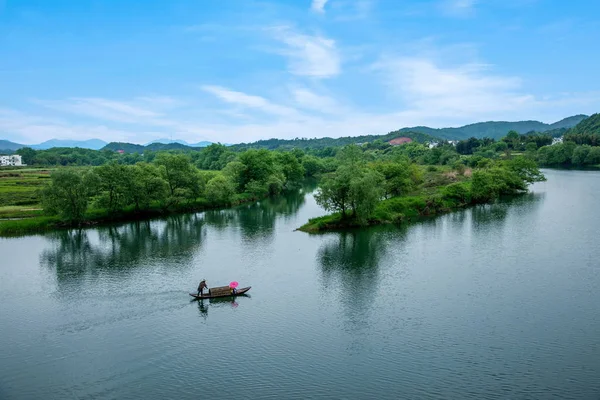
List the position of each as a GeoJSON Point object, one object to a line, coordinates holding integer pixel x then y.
{"type": "Point", "coordinates": [242, 70]}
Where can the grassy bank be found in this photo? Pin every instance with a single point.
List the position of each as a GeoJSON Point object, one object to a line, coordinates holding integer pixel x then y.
{"type": "Point", "coordinates": [36, 222]}
{"type": "Point", "coordinates": [397, 210]}
{"type": "Point", "coordinates": [441, 191]}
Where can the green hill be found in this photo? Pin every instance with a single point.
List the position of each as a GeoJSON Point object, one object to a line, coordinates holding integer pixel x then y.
{"type": "Point", "coordinates": [316, 143]}
{"type": "Point", "coordinates": [589, 126]}
{"type": "Point", "coordinates": [495, 129]}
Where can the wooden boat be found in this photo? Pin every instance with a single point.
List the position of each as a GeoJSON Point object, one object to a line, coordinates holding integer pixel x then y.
{"type": "Point", "coordinates": [223, 291]}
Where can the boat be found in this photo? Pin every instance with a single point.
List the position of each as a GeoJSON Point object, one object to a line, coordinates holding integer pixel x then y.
{"type": "Point", "coordinates": [223, 291]}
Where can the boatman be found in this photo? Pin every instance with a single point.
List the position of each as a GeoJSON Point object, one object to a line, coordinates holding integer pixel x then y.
{"type": "Point", "coordinates": [201, 287]}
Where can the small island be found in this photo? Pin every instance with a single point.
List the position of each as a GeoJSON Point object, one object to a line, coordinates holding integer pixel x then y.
{"type": "Point", "coordinates": [395, 189]}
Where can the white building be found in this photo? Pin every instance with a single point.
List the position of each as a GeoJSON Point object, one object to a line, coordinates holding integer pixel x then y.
{"type": "Point", "coordinates": [557, 140]}
{"type": "Point", "coordinates": [14, 160]}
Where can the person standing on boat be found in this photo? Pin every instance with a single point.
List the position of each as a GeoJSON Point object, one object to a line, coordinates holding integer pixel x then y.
{"type": "Point", "coordinates": [201, 287]}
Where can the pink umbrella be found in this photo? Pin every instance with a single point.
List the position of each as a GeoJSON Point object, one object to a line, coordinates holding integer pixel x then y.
{"type": "Point", "coordinates": [233, 285]}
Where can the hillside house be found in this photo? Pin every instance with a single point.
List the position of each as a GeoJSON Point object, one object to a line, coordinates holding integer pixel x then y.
{"type": "Point", "coordinates": [12, 160]}
{"type": "Point", "coordinates": [557, 140]}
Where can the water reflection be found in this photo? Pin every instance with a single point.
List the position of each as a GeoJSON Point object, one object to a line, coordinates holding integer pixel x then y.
{"type": "Point", "coordinates": [205, 304]}
{"type": "Point", "coordinates": [495, 215]}
{"type": "Point", "coordinates": [351, 260]}
{"type": "Point", "coordinates": [257, 221]}
{"type": "Point", "coordinates": [120, 248]}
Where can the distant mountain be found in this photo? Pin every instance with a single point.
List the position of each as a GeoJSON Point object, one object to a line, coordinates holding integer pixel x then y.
{"type": "Point", "coordinates": [204, 144]}
{"type": "Point", "coordinates": [92, 144]}
{"type": "Point", "coordinates": [183, 142]}
{"type": "Point", "coordinates": [138, 148]}
{"type": "Point", "coordinates": [8, 145]}
{"type": "Point", "coordinates": [494, 129]}
{"type": "Point", "coordinates": [167, 141]}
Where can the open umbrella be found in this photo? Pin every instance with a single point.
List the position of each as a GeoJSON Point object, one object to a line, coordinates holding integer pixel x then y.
{"type": "Point", "coordinates": [233, 285]}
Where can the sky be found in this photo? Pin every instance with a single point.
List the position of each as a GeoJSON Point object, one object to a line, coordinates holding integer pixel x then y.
{"type": "Point", "coordinates": [235, 71]}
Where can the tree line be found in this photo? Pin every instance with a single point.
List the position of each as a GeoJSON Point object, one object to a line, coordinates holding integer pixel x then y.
{"type": "Point", "coordinates": [169, 182]}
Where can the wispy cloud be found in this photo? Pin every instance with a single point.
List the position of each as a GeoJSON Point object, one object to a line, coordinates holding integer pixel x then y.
{"type": "Point", "coordinates": [308, 55]}
{"type": "Point", "coordinates": [117, 111]}
{"type": "Point", "coordinates": [309, 100]}
{"type": "Point", "coordinates": [468, 89]}
{"type": "Point", "coordinates": [250, 101]}
{"type": "Point", "coordinates": [459, 8]}
{"type": "Point", "coordinates": [318, 6]}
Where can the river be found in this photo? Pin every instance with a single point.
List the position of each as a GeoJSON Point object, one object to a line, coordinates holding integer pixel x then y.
{"type": "Point", "coordinates": [493, 302]}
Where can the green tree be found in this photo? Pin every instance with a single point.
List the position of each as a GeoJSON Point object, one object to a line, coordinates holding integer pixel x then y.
{"type": "Point", "coordinates": [145, 185]}
{"type": "Point", "coordinates": [312, 165]}
{"type": "Point", "coordinates": [234, 171]}
{"type": "Point", "coordinates": [113, 184]}
{"type": "Point", "coordinates": [351, 189]}
{"type": "Point", "coordinates": [220, 190]}
{"type": "Point", "coordinates": [258, 166]}
{"type": "Point", "coordinates": [593, 157]}
{"type": "Point", "coordinates": [365, 193]}
{"type": "Point", "coordinates": [292, 170]}
{"type": "Point", "coordinates": [183, 178]}
{"type": "Point", "coordinates": [28, 155]}
{"type": "Point", "coordinates": [68, 194]}
{"type": "Point", "coordinates": [526, 169]}
{"type": "Point", "coordinates": [399, 177]}
{"type": "Point", "coordinates": [580, 154]}
{"type": "Point", "coordinates": [490, 183]}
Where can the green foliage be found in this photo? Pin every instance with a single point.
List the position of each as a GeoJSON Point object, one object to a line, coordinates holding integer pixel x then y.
{"type": "Point", "coordinates": [399, 177]}
{"type": "Point", "coordinates": [589, 126]}
{"type": "Point", "coordinates": [580, 154]}
{"type": "Point", "coordinates": [490, 183]}
{"type": "Point", "coordinates": [183, 178]}
{"type": "Point", "coordinates": [114, 183]}
{"type": "Point", "coordinates": [214, 157]}
{"type": "Point", "coordinates": [526, 169]}
{"type": "Point", "coordinates": [312, 165]}
{"type": "Point", "coordinates": [365, 193]}
{"type": "Point", "coordinates": [146, 186]}
{"type": "Point", "coordinates": [220, 190]}
{"type": "Point", "coordinates": [68, 194]}
{"type": "Point", "coordinates": [258, 166]}
{"type": "Point", "coordinates": [292, 169]}
{"type": "Point", "coordinates": [459, 192]}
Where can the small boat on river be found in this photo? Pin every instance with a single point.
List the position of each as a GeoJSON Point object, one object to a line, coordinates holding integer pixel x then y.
{"type": "Point", "coordinates": [222, 291]}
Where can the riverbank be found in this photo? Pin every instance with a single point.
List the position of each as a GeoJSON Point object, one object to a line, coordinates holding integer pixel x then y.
{"type": "Point", "coordinates": [396, 210]}
{"type": "Point", "coordinates": [19, 226]}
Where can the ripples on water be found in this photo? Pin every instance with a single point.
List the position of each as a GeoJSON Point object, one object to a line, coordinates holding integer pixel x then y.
{"type": "Point", "coordinates": [495, 302]}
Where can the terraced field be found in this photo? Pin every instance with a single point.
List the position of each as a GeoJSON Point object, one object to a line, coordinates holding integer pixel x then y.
{"type": "Point", "coordinates": [19, 196]}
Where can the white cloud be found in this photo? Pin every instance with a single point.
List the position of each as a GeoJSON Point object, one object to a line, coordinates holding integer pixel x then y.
{"type": "Point", "coordinates": [459, 7]}
{"type": "Point", "coordinates": [310, 100]}
{"type": "Point", "coordinates": [468, 89]}
{"type": "Point", "coordinates": [318, 6]}
{"type": "Point", "coordinates": [118, 111]}
{"type": "Point", "coordinates": [249, 101]}
{"type": "Point", "coordinates": [313, 56]}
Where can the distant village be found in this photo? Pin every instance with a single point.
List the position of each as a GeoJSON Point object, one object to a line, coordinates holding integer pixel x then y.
{"type": "Point", "coordinates": [10, 161]}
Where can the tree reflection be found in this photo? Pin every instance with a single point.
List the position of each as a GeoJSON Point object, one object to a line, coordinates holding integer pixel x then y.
{"type": "Point", "coordinates": [496, 214]}
{"type": "Point", "coordinates": [351, 260]}
{"type": "Point", "coordinates": [257, 220]}
{"type": "Point", "coordinates": [116, 249]}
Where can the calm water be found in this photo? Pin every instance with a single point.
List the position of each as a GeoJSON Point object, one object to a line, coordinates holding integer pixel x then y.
{"type": "Point", "coordinates": [492, 302]}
